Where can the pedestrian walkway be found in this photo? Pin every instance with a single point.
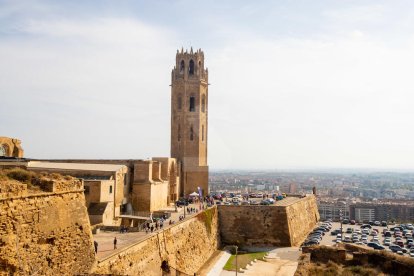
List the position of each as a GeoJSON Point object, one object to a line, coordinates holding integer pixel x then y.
{"type": "Point", "coordinates": [218, 266]}
{"type": "Point", "coordinates": [105, 239]}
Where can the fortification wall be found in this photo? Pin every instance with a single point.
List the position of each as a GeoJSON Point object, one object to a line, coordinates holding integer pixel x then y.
{"type": "Point", "coordinates": [284, 225]}
{"type": "Point", "coordinates": [186, 246]}
{"type": "Point", "coordinates": [302, 217]}
{"type": "Point", "coordinates": [45, 233]}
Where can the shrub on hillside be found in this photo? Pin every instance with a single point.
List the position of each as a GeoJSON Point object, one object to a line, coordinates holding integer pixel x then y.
{"type": "Point", "coordinates": [20, 175]}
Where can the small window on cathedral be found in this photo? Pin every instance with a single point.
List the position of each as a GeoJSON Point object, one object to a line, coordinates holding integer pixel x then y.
{"type": "Point", "coordinates": [192, 104]}
{"type": "Point", "coordinates": [191, 68]}
{"type": "Point", "coordinates": [110, 189]}
{"type": "Point", "coordinates": [179, 132]}
{"type": "Point", "coordinates": [202, 133]}
{"type": "Point", "coordinates": [203, 104]}
{"type": "Point", "coordinates": [191, 133]}
{"type": "Point", "coordinates": [179, 102]}
{"type": "Point", "coordinates": [182, 66]}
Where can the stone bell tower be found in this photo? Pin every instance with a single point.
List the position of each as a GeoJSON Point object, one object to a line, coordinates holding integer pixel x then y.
{"type": "Point", "coordinates": [189, 107]}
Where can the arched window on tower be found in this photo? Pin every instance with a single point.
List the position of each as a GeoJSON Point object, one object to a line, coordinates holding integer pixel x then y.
{"type": "Point", "coordinates": [202, 133]}
{"type": "Point", "coordinates": [192, 104]}
{"type": "Point", "coordinates": [199, 68]}
{"type": "Point", "coordinates": [191, 68]}
{"type": "Point", "coordinates": [182, 67]}
{"type": "Point", "coordinates": [203, 103]}
{"type": "Point", "coordinates": [179, 132]}
{"type": "Point", "coordinates": [191, 133]}
{"type": "Point", "coordinates": [179, 102]}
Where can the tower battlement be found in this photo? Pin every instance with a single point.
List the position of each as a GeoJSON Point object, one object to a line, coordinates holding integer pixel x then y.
{"type": "Point", "coordinates": [189, 65]}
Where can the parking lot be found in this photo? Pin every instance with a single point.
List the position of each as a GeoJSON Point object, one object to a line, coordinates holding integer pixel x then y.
{"type": "Point", "coordinates": [330, 239]}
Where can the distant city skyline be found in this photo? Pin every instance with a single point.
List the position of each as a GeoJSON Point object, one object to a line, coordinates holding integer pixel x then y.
{"type": "Point", "coordinates": [294, 84]}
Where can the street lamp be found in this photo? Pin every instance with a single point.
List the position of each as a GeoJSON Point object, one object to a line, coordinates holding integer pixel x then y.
{"type": "Point", "coordinates": [235, 246]}
{"type": "Point", "coordinates": [340, 219]}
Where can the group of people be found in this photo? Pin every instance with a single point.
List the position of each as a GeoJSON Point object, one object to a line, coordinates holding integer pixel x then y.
{"type": "Point", "coordinates": [95, 245]}
{"type": "Point", "coordinates": [123, 229]}
{"type": "Point", "coordinates": [159, 224]}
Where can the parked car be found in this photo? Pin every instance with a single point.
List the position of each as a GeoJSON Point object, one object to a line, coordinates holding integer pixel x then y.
{"type": "Point", "coordinates": [384, 223]}
{"type": "Point", "coordinates": [395, 248]}
{"type": "Point", "coordinates": [399, 243]}
{"type": "Point", "coordinates": [363, 226]}
{"type": "Point", "coordinates": [181, 202]}
{"type": "Point", "coordinates": [309, 243]}
{"type": "Point", "coordinates": [347, 239]}
{"type": "Point", "coordinates": [376, 246]}
{"type": "Point", "coordinates": [264, 202]}
{"type": "Point", "coordinates": [352, 222]}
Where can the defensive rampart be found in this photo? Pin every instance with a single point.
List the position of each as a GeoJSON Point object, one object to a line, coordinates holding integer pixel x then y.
{"type": "Point", "coordinates": [44, 233]}
{"type": "Point", "coordinates": [285, 224]}
{"type": "Point", "coordinates": [185, 246]}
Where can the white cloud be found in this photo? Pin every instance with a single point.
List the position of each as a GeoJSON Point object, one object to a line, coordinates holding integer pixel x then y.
{"type": "Point", "coordinates": [89, 84]}
{"type": "Point", "coordinates": [343, 102]}
{"type": "Point", "coordinates": [97, 87]}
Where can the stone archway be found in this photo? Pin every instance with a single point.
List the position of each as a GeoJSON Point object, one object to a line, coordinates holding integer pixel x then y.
{"type": "Point", "coordinates": [3, 151]}
{"type": "Point", "coordinates": [10, 147]}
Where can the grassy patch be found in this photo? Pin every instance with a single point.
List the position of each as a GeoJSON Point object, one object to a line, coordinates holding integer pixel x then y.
{"type": "Point", "coordinates": [242, 260]}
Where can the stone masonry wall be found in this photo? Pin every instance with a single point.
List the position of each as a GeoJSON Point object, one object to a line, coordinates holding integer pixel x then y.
{"type": "Point", "coordinates": [302, 217]}
{"type": "Point", "coordinates": [186, 246]}
{"type": "Point", "coordinates": [283, 225]}
{"type": "Point", "coordinates": [46, 233]}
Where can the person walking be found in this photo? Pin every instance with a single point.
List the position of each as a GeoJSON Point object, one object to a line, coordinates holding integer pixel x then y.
{"type": "Point", "coordinates": [115, 242]}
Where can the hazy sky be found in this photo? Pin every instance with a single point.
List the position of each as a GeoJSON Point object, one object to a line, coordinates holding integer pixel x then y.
{"type": "Point", "coordinates": [294, 84]}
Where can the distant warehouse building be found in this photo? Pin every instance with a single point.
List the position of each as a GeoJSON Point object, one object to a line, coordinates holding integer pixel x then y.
{"type": "Point", "coordinates": [387, 211]}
